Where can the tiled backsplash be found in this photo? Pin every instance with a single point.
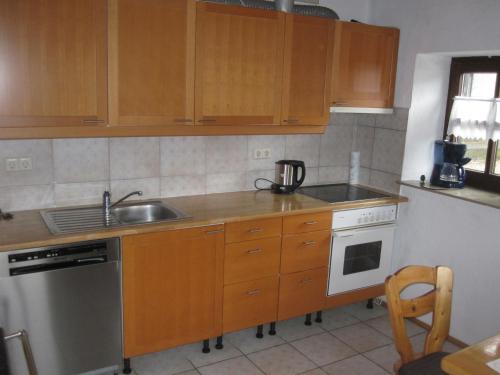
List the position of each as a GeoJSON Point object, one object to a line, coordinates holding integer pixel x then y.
{"type": "Point", "coordinates": [77, 171]}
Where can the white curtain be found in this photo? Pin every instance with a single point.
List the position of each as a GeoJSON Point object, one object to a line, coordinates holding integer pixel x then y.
{"type": "Point", "coordinates": [475, 118]}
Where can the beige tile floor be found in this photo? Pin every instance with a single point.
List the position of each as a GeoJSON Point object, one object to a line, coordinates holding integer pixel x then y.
{"type": "Point", "coordinates": [351, 340]}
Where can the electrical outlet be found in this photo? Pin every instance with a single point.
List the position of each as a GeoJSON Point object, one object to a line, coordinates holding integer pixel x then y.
{"type": "Point", "coordinates": [25, 164]}
{"type": "Point", "coordinates": [262, 153]}
{"type": "Point", "coordinates": [11, 164]}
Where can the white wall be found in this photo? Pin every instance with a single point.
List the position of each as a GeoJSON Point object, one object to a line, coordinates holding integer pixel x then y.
{"type": "Point", "coordinates": [438, 230]}
{"type": "Point", "coordinates": [436, 26]}
{"type": "Point", "coordinates": [350, 9]}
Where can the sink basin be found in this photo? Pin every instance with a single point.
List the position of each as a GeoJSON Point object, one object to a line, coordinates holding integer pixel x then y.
{"type": "Point", "coordinates": [147, 212]}
{"type": "Point", "coordinates": [72, 220]}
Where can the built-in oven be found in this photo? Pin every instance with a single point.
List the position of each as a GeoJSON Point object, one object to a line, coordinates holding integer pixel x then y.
{"type": "Point", "coordinates": [361, 248]}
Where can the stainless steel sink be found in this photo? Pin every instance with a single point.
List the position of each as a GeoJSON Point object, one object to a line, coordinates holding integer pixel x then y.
{"type": "Point", "coordinates": [62, 221]}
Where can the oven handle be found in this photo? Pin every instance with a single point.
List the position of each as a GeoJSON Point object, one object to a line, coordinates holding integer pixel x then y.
{"type": "Point", "coordinates": [352, 232]}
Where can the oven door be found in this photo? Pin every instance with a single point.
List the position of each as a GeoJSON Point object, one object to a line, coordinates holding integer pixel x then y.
{"type": "Point", "coordinates": [360, 258]}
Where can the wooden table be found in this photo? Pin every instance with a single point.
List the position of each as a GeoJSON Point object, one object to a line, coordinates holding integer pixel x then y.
{"type": "Point", "coordinates": [472, 360]}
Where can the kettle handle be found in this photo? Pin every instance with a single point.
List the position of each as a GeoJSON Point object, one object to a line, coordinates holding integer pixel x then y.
{"type": "Point", "coordinates": [296, 165]}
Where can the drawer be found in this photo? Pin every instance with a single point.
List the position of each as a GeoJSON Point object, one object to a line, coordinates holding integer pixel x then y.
{"type": "Point", "coordinates": [305, 251]}
{"type": "Point", "coordinates": [307, 223]}
{"type": "Point", "coordinates": [251, 260]}
{"type": "Point", "coordinates": [302, 293]}
{"type": "Point", "coordinates": [250, 303]}
{"type": "Point", "coordinates": [253, 229]}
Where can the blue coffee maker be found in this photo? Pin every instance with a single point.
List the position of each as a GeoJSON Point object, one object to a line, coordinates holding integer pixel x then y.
{"type": "Point", "coordinates": [449, 164]}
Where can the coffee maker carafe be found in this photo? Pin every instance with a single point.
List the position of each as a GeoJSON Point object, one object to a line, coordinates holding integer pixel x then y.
{"type": "Point", "coordinates": [448, 168]}
{"type": "Point", "coordinates": [286, 176]}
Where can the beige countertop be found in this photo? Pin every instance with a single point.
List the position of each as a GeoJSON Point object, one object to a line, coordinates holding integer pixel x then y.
{"type": "Point", "coordinates": [28, 230]}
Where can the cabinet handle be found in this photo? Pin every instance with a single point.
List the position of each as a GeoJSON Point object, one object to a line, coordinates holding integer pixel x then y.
{"type": "Point", "coordinates": [291, 120]}
{"type": "Point", "coordinates": [306, 280]}
{"type": "Point", "coordinates": [215, 231]}
{"type": "Point", "coordinates": [254, 251]}
{"type": "Point", "coordinates": [255, 230]}
{"type": "Point", "coordinates": [183, 120]}
{"type": "Point", "coordinates": [309, 243]}
{"type": "Point", "coordinates": [313, 222]}
{"type": "Point", "coordinates": [207, 120]}
{"type": "Point", "coordinates": [91, 121]}
{"type": "Point", "coordinates": [253, 292]}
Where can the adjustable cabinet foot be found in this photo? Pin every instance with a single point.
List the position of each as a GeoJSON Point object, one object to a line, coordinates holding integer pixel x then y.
{"type": "Point", "coordinates": [319, 317]}
{"type": "Point", "coordinates": [272, 328]}
{"type": "Point", "coordinates": [206, 346]}
{"type": "Point", "coordinates": [126, 366]}
{"type": "Point", "coordinates": [219, 344]}
{"type": "Point", "coordinates": [308, 320]}
{"type": "Point", "coordinates": [369, 304]}
{"type": "Point", "coordinates": [260, 329]}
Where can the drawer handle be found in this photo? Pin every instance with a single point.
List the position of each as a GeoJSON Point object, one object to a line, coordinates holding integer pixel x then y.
{"type": "Point", "coordinates": [92, 121]}
{"type": "Point", "coordinates": [207, 120]}
{"type": "Point", "coordinates": [253, 292]}
{"type": "Point", "coordinates": [254, 251]}
{"type": "Point", "coordinates": [306, 280]}
{"type": "Point", "coordinates": [255, 230]}
{"type": "Point", "coordinates": [312, 222]}
{"type": "Point", "coordinates": [292, 120]}
{"type": "Point", "coordinates": [309, 243]}
{"type": "Point", "coordinates": [183, 120]}
{"type": "Point", "coordinates": [215, 231]}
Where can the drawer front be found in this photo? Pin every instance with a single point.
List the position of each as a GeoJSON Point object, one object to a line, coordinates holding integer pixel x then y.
{"type": "Point", "coordinates": [250, 303]}
{"type": "Point", "coordinates": [251, 260]}
{"type": "Point", "coordinates": [307, 223]}
{"type": "Point", "coordinates": [302, 293]}
{"type": "Point", "coordinates": [253, 229]}
{"type": "Point", "coordinates": [305, 251]}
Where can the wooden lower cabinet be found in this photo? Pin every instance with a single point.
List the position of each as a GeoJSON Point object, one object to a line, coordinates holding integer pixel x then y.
{"type": "Point", "coordinates": [302, 293]}
{"type": "Point", "coordinates": [305, 251]}
{"type": "Point", "coordinates": [250, 303]}
{"type": "Point", "coordinates": [172, 288]}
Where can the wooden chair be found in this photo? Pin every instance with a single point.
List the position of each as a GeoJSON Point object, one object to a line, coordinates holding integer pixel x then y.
{"type": "Point", "coordinates": [437, 301]}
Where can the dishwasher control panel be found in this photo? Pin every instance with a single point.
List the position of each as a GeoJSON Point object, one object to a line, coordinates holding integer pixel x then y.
{"type": "Point", "coordinates": [57, 253]}
{"type": "Point", "coordinates": [364, 216]}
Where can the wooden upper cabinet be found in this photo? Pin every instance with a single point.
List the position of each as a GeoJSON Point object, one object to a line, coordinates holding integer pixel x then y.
{"type": "Point", "coordinates": [172, 288]}
{"type": "Point", "coordinates": [52, 62]}
{"type": "Point", "coordinates": [239, 65]}
{"type": "Point", "coordinates": [151, 62]}
{"type": "Point", "coordinates": [307, 70]}
{"type": "Point", "coordinates": [364, 67]}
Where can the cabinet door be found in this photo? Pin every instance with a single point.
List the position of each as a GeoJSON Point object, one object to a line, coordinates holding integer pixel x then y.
{"type": "Point", "coordinates": [364, 67]}
{"type": "Point", "coordinates": [172, 288]}
{"type": "Point", "coordinates": [152, 62]}
{"type": "Point", "coordinates": [239, 63]}
{"type": "Point", "coordinates": [53, 62]}
{"type": "Point", "coordinates": [308, 66]}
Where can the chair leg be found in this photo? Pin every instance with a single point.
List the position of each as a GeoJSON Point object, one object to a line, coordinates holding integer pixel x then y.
{"type": "Point", "coordinates": [369, 304]}
{"type": "Point", "coordinates": [308, 320]}
{"type": "Point", "coordinates": [272, 328]}
{"type": "Point", "coordinates": [219, 344]}
{"type": "Point", "coordinates": [126, 366]}
{"type": "Point", "coordinates": [319, 317]}
{"type": "Point", "coordinates": [206, 346]}
{"type": "Point", "coordinates": [260, 329]}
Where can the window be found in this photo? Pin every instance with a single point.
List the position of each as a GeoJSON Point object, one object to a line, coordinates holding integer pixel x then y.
{"type": "Point", "coordinates": [473, 116]}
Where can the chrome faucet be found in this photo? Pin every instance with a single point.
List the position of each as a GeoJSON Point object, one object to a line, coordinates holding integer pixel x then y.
{"type": "Point", "coordinates": [107, 206]}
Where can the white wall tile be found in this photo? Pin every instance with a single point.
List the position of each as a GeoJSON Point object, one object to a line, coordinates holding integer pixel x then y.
{"type": "Point", "coordinates": [226, 182]}
{"type": "Point", "coordinates": [40, 152]}
{"type": "Point", "coordinates": [303, 147]}
{"type": "Point", "coordinates": [388, 149]}
{"type": "Point", "coordinates": [175, 186]}
{"type": "Point", "coordinates": [363, 142]}
{"type": "Point", "coordinates": [336, 145]}
{"type": "Point", "coordinates": [253, 175]}
{"type": "Point", "coordinates": [396, 121]}
{"type": "Point", "coordinates": [227, 154]}
{"type": "Point", "coordinates": [274, 142]}
{"type": "Point", "coordinates": [134, 158]}
{"type": "Point", "coordinates": [81, 160]}
{"type": "Point", "coordinates": [364, 176]}
{"type": "Point", "coordinates": [342, 119]}
{"type": "Point", "coordinates": [79, 193]}
{"type": "Point", "coordinates": [182, 156]}
{"type": "Point", "coordinates": [385, 181]}
{"type": "Point", "coordinates": [16, 198]}
{"type": "Point", "coordinates": [312, 177]}
{"type": "Point", "coordinates": [150, 188]}
{"type": "Point", "coordinates": [332, 175]}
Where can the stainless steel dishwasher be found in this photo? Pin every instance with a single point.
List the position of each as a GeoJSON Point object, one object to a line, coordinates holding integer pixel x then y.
{"type": "Point", "coordinates": [68, 299]}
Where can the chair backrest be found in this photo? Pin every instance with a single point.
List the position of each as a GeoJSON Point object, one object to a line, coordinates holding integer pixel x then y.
{"type": "Point", "coordinates": [437, 301]}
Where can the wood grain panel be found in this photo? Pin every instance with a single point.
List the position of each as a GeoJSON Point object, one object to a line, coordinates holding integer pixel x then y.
{"type": "Point", "coordinates": [152, 62]}
{"type": "Point", "coordinates": [250, 303]}
{"type": "Point", "coordinates": [302, 293]}
{"type": "Point", "coordinates": [172, 288]}
{"type": "Point", "coordinates": [53, 63]}
{"type": "Point", "coordinates": [364, 66]}
{"type": "Point", "coordinates": [253, 229]}
{"type": "Point", "coordinates": [305, 251]}
{"type": "Point", "coordinates": [307, 75]}
{"type": "Point", "coordinates": [307, 223]}
{"type": "Point", "coordinates": [251, 260]}
{"type": "Point", "coordinates": [239, 63]}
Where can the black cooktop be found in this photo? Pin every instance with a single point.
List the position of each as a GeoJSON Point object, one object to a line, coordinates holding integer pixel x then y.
{"type": "Point", "coordinates": [335, 193]}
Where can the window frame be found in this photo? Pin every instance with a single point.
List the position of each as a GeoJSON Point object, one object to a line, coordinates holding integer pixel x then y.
{"type": "Point", "coordinates": [480, 64]}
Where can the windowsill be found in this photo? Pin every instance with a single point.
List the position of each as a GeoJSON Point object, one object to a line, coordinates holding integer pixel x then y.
{"type": "Point", "coordinates": [469, 194]}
